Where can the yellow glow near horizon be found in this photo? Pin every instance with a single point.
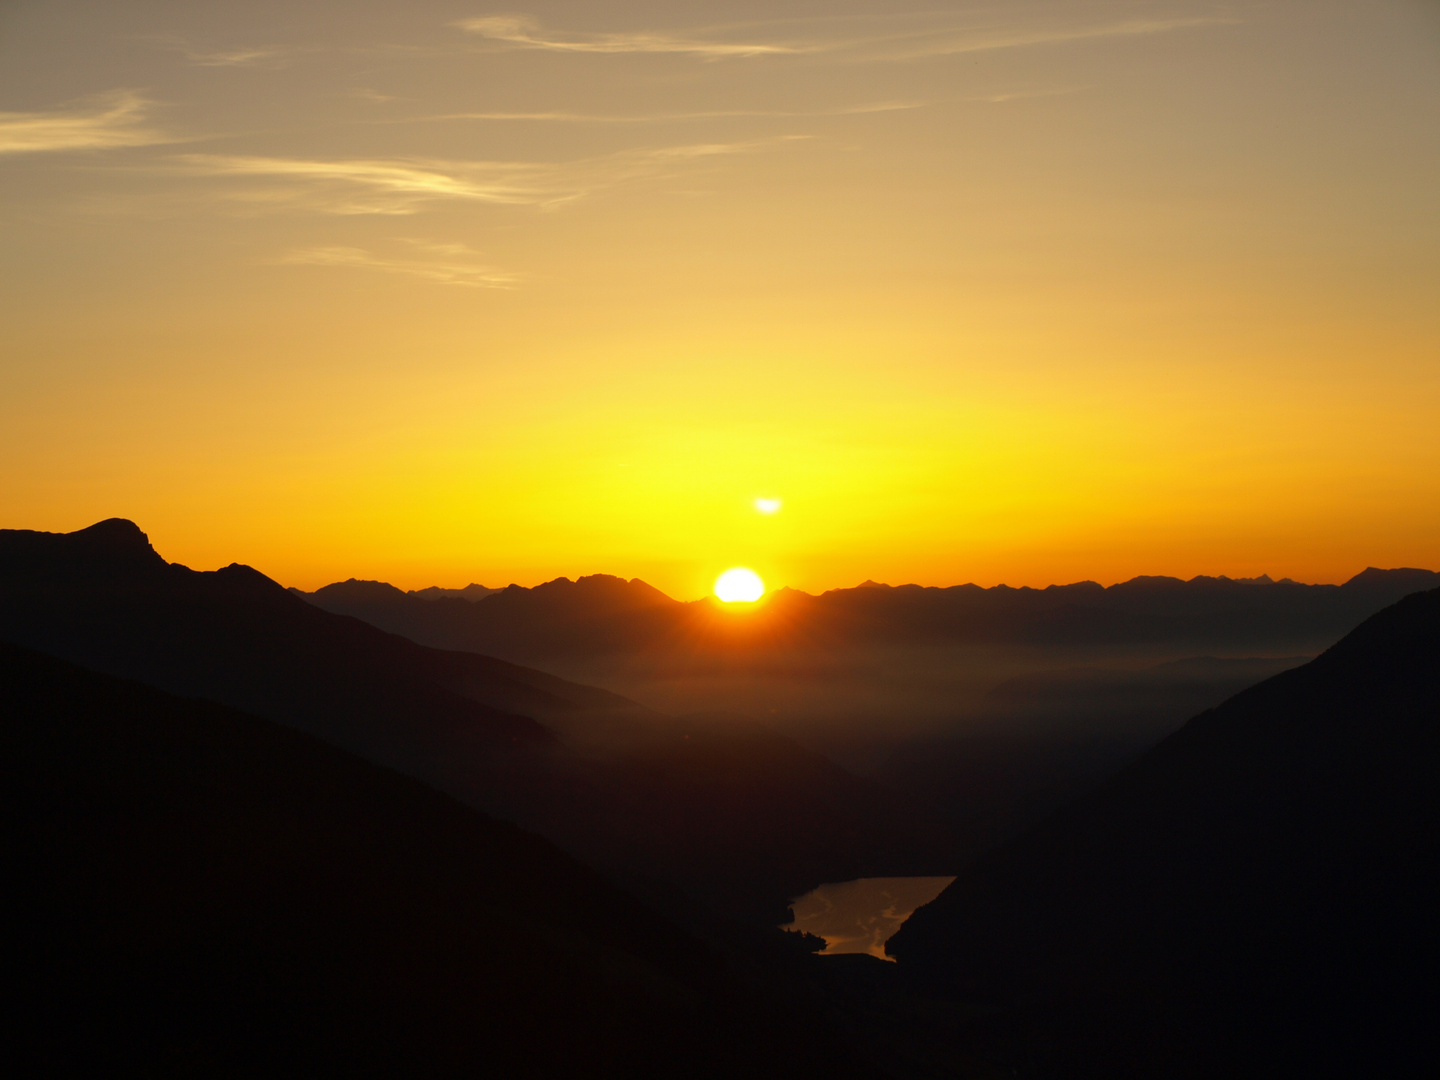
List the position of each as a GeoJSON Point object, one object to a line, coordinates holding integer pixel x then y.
{"type": "Point", "coordinates": [1026, 293]}
{"type": "Point", "coordinates": [739, 586]}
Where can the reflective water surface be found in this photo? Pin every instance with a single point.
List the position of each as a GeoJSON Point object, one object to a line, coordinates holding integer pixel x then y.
{"type": "Point", "coordinates": [860, 916]}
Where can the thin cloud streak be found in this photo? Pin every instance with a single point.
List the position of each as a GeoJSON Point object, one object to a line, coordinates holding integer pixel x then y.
{"type": "Point", "coordinates": [117, 122]}
{"type": "Point", "coordinates": [1000, 97]}
{"type": "Point", "coordinates": [404, 186]}
{"type": "Point", "coordinates": [990, 41]}
{"type": "Point", "coordinates": [937, 40]}
{"type": "Point", "coordinates": [664, 118]}
{"type": "Point", "coordinates": [404, 180]}
{"type": "Point", "coordinates": [234, 57]}
{"type": "Point", "coordinates": [450, 264]}
{"type": "Point", "coordinates": [525, 33]}
{"type": "Point", "coordinates": [239, 56]}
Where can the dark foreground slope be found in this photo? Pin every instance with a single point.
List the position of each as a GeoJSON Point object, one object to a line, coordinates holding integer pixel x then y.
{"type": "Point", "coordinates": [200, 892]}
{"type": "Point", "coordinates": [1255, 897]}
{"type": "Point", "coordinates": [727, 815]}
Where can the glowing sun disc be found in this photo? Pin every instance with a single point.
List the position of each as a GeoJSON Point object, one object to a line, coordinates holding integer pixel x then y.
{"type": "Point", "coordinates": [768, 506]}
{"type": "Point", "coordinates": [739, 586]}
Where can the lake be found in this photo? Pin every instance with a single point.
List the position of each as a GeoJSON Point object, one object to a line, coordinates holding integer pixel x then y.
{"type": "Point", "coordinates": [860, 916]}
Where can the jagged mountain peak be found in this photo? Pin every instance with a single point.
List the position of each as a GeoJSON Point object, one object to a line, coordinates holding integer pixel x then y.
{"type": "Point", "coordinates": [116, 545]}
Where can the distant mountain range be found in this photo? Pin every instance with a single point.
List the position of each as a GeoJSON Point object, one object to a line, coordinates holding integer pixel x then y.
{"type": "Point", "coordinates": [469, 592]}
{"type": "Point", "coordinates": [991, 706]}
{"type": "Point", "coordinates": [195, 891]}
{"type": "Point", "coordinates": [1255, 897]}
{"type": "Point", "coordinates": [602, 615]}
{"type": "Point", "coordinates": [224, 872]}
{"type": "Point", "coordinates": [730, 817]}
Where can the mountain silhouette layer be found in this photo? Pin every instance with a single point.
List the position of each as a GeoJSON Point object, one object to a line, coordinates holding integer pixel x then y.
{"type": "Point", "coordinates": [196, 891]}
{"type": "Point", "coordinates": [729, 814]}
{"type": "Point", "coordinates": [602, 615]}
{"type": "Point", "coordinates": [1256, 896]}
{"type": "Point", "coordinates": [991, 706]}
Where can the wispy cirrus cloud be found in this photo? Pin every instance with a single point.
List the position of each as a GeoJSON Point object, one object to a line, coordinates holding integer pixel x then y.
{"type": "Point", "coordinates": [443, 264]}
{"type": "Point", "coordinates": [992, 38]}
{"type": "Point", "coordinates": [238, 57]}
{"type": "Point", "coordinates": [234, 56]}
{"type": "Point", "coordinates": [1000, 97]}
{"type": "Point", "coordinates": [405, 186]}
{"type": "Point", "coordinates": [114, 120]}
{"type": "Point", "coordinates": [893, 38]}
{"type": "Point", "coordinates": [525, 33]}
{"type": "Point", "coordinates": [364, 93]}
{"type": "Point", "coordinates": [677, 117]}
{"type": "Point", "coordinates": [393, 186]}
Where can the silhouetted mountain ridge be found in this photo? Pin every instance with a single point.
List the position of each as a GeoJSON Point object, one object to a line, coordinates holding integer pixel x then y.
{"type": "Point", "coordinates": [1255, 896]}
{"type": "Point", "coordinates": [731, 815]}
{"type": "Point", "coordinates": [472, 592]}
{"type": "Point", "coordinates": [110, 548]}
{"type": "Point", "coordinates": [602, 615]}
{"type": "Point", "coordinates": [197, 891]}
{"type": "Point", "coordinates": [903, 683]}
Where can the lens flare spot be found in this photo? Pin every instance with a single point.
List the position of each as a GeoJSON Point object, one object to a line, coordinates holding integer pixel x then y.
{"type": "Point", "coordinates": [739, 586]}
{"type": "Point", "coordinates": [768, 506]}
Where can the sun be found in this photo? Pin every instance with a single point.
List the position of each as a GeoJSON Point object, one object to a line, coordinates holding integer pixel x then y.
{"type": "Point", "coordinates": [768, 506]}
{"type": "Point", "coordinates": [739, 586]}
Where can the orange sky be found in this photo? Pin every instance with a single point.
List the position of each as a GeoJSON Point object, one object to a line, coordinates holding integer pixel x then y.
{"type": "Point", "coordinates": [1031, 293]}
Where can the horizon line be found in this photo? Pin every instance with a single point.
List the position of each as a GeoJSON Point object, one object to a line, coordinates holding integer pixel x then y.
{"type": "Point", "coordinates": [1260, 580]}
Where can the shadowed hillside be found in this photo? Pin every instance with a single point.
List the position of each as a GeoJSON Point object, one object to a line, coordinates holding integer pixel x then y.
{"type": "Point", "coordinates": [728, 814]}
{"type": "Point", "coordinates": [200, 892]}
{"type": "Point", "coordinates": [991, 706]}
{"type": "Point", "coordinates": [1254, 897]}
